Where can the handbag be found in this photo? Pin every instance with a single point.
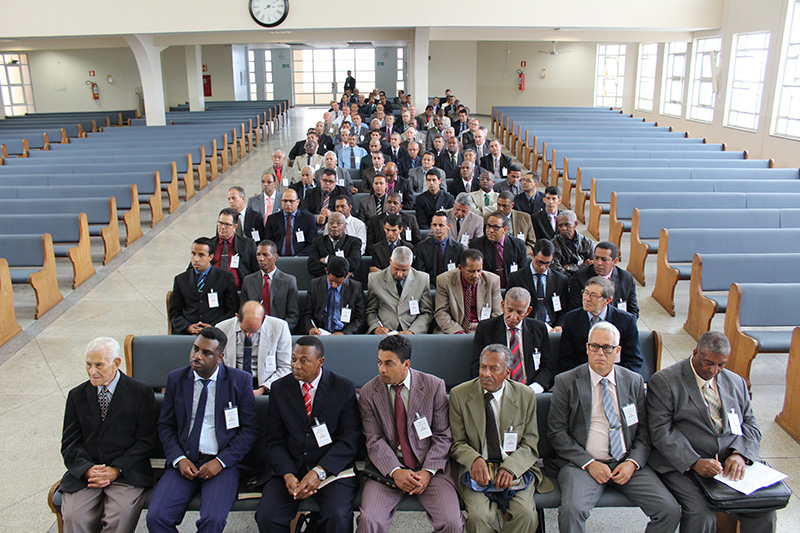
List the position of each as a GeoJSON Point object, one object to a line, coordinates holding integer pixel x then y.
{"type": "Point", "coordinates": [723, 498]}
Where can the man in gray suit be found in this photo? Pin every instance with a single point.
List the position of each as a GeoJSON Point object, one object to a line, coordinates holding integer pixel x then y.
{"type": "Point", "coordinates": [417, 175]}
{"type": "Point", "coordinates": [464, 224]}
{"type": "Point", "coordinates": [399, 298]}
{"type": "Point", "coordinates": [279, 297]}
{"type": "Point", "coordinates": [598, 428]}
{"type": "Point", "coordinates": [700, 419]}
{"type": "Point", "coordinates": [268, 201]}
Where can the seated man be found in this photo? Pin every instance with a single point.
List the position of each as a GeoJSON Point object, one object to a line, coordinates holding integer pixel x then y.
{"type": "Point", "coordinates": [258, 344]}
{"type": "Point", "coordinates": [432, 200]}
{"type": "Point", "coordinates": [203, 294]}
{"type": "Point", "coordinates": [466, 295]}
{"type": "Point", "coordinates": [393, 206]}
{"type": "Point", "coordinates": [208, 423]}
{"type": "Point", "coordinates": [534, 363]}
{"type": "Point", "coordinates": [545, 222]}
{"type": "Point", "coordinates": [480, 411]}
{"type": "Point", "coordinates": [233, 253]}
{"type": "Point", "coordinates": [107, 455]}
{"type": "Point", "coordinates": [341, 176]}
{"type": "Point", "coordinates": [350, 157]}
{"type": "Point", "coordinates": [399, 297]}
{"type": "Point", "coordinates": [530, 201]}
{"type": "Point", "coordinates": [496, 162]}
{"type": "Point", "coordinates": [375, 168]}
{"type": "Point", "coordinates": [571, 249]}
{"type": "Point", "coordinates": [598, 428]}
{"type": "Point", "coordinates": [305, 185]}
{"type": "Point", "coordinates": [418, 175]}
{"type": "Point", "coordinates": [597, 296]}
{"type": "Point", "coordinates": [547, 287]}
{"type": "Point", "coordinates": [437, 253]}
{"type": "Point", "coordinates": [467, 180]}
{"type": "Point", "coordinates": [411, 162]}
{"type": "Point", "coordinates": [382, 250]}
{"type": "Point", "coordinates": [374, 204]}
{"type": "Point", "coordinates": [416, 459]}
{"type": "Point", "coordinates": [291, 229]}
{"type": "Point", "coordinates": [691, 430]}
{"type": "Point", "coordinates": [519, 223]}
{"type": "Point", "coordinates": [484, 200]}
{"type": "Point", "coordinates": [313, 430]}
{"type": "Point", "coordinates": [464, 224]}
{"type": "Point", "coordinates": [275, 289]}
{"type": "Point", "coordinates": [250, 223]}
{"type": "Point", "coordinates": [604, 264]}
{"type": "Point", "coordinates": [335, 302]}
{"type": "Point", "coordinates": [512, 182]}
{"type": "Point", "coordinates": [355, 227]}
{"type": "Point", "coordinates": [335, 243]}
{"type": "Point", "coordinates": [399, 185]}
{"type": "Point", "coordinates": [320, 200]}
{"type": "Point", "coordinates": [285, 174]}
{"type": "Point", "coordinates": [268, 201]}
{"type": "Point", "coordinates": [502, 253]}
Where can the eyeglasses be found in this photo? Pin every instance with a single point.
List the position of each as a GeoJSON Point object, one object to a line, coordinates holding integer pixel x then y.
{"type": "Point", "coordinates": [225, 225]}
{"type": "Point", "coordinates": [543, 263]}
{"type": "Point", "coordinates": [608, 349]}
{"type": "Point", "coordinates": [591, 295]}
{"type": "Point", "coordinates": [328, 181]}
{"type": "Point", "coordinates": [494, 226]}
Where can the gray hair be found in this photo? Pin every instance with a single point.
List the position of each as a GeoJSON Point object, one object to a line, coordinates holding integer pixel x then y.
{"type": "Point", "coordinates": [336, 216]}
{"type": "Point", "coordinates": [606, 326]}
{"type": "Point", "coordinates": [332, 153]}
{"type": "Point", "coordinates": [402, 255]}
{"type": "Point", "coordinates": [519, 294]}
{"type": "Point", "coordinates": [464, 198]}
{"type": "Point", "coordinates": [503, 349]}
{"type": "Point", "coordinates": [569, 215]}
{"type": "Point", "coordinates": [107, 345]}
{"type": "Point", "coordinates": [278, 150]}
{"type": "Point", "coordinates": [606, 284]}
{"type": "Point", "coordinates": [714, 342]}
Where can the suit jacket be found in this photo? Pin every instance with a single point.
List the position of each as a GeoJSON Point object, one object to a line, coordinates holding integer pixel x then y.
{"type": "Point", "coordinates": [303, 221]}
{"type": "Point", "coordinates": [375, 233]}
{"type": "Point", "coordinates": [253, 220]}
{"type": "Point", "coordinates": [487, 162]}
{"type": "Point", "coordinates": [367, 208]}
{"type": "Point", "coordinates": [428, 398]}
{"type": "Point", "coordinates": [300, 189]}
{"type": "Point", "coordinates": [513, 254]}
{"type": "Point", "coordinates": [450, 299]}
{"type": "Point", "coordinates": [350, 83]}
{"type": "Point", "coordinates": [291, 446]}
{"type": "Point", "coordinates": [444, 162]}
{"type": "Point", "coordinates": [322, 246]}
{"type": "Point", "coordinates": [368, 173]}
{"type": "Point", "coordinates": [274, 348]}
{"type": "Point", "coordinates": [468, 423]}
{"type": "Point", "coordinates": [471, 225]}
{"type": "Point", "coordinates": [402, 153]}
{"type": "Point", "coordinates": [571, 414]}
{"type": "Point", "coordinates": [313, 200]}
{"type": "Point", "coordinates": [245, 248]}
{"type": "Point", "coordinates": [125, 439]}
{"type": "Point", "coordinates": [283, 295]}
{"type": "Point", "coordinates": [384, 305]}
{"type": "Point", "coordinates": [529, 205]}
{"type": "Point", "coordinates": [624, 288]}
{"type": "Point", "coordinates": [258, 203]}
{"type": "Point", "coordinates": [382, 253]}
{"type": "Point", "coordinates": [521, 227]}
{"type": "Point", "coordinates": [541, 225]}
{"type": "Point", "coordinates": [575, 335]}
{"type": "Point", "coordinates": [425, 259]}
{"type": "Point", "coordinates": [352, 297]}
{"type": "Point", "coordinates": [404, 166]}
{"type": "Point", "coordinates": [233, 386]}
{"type": "Point", "coordinates": [680, 427]}
{"type": "Point", "coordinates": [479, 206]}
{"type": "Point", "coordinates": [317, 161]}
{"type": "Point", "coordinates": [457, 186]}
{"type": "Point", "coordinates": [503, 185]}
{"type": "Point", "coordinates": [427, 205]}
{"type": "Point", "coordinates": [534, 336]}
{"type": "Point", "coordinates": [482, 151]}
{"type": "Point", "coordinates": [417, 178]}
{"type": "Point", "coordinates": [288, 176]}
{"type": "Point", "coordinates": [189, 306]}
{"type": "Point", "coordinates": [429, 136]}
{"type": "Point", "coordinates": [343, 180]}
{"type": "Point", "coordinates": [556, 285]}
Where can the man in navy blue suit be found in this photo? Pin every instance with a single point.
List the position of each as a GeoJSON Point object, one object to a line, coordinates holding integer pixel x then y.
{"type": "Point", "coordinates": [313, 432]}
{"type": "Point", "coordinates": [208, 424]}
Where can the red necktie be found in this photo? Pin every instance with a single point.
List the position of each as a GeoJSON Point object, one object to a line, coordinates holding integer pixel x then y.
{"type": "Point", "coordinates": [401, 427]}
{"type": "Point", "coordinates": [307, 398]}
{"type": "Point", "coordinates": [516, 367]}
{"type": "Point", "coordinates": [268, 210]}
{"type": "Point", "coordinates": [265, 295]}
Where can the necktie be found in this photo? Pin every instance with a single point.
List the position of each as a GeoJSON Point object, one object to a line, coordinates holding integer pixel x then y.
{"type": "Point", "coordinates": [552, 221]}
{"type": "Point", "coordinates": [201, 281]}
{"type": "Point", "coordinates": [399, 286]}
{"type": "Point", "coordinates": [330, 309]}
{"type": "Point", "coordinates": [287, 240]}
{"type": "Point", "coordinates": [516, 366]}
{"type": "Point", "coordinates": [468, 186]}
{"type": "Point", "coordinates": [458, 226]}
{"type": "Point", "coordinates": [401, 426]}
{"type": "Point", "coordinates": [352, 158]}
{"type": "Point", "coordinates": [307, 398]}
{"type": "Point", "coordinates": [492, 436]}
{"type": "Point", "coordinates": [614, 429]}
{"type": "Point", "coordinates": [240, 226]}
{"type": "Point", "coordinates": [394, 156]}
{"type": "Point", "coordinates": [486, 198]}
{"type": "Point", "coordinates": [501, 263]}
{"type": "Point", "coordinates": [247, 354]}
{"type": "Point", "coordinates": [326, 201]}
{"type": "Point", "coordinates": [465, 322]}
{"type": "Point", "coordinates": [453, 159]}
{"type": "Point", "coordinates": [225, 257]}
{"type": "Point", "coordinates": [309, 160]}
{"type": "Point", "coordinates": [268, 209]}
{"type": "Point", "coordinates": [496, 168]}
{"type": "Point", "coordinates": [103, 399]}
{"type": "Point", "coordinates": [541, 311]}
{"type": "Point", "coordinates": [378, 206]}
{"type": "Point", "coordinates": [265, 295]}
{"type": "Point", "coordinates": [193, 451]}
{"type": "Point", "coordinates": [714, 408]}
{"type": "Point", "coordinates": [439, 258]}
{"type": "Point", "coordinates": [594, 320]}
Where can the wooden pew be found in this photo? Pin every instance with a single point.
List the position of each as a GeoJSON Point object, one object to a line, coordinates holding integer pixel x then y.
{"type": "Point", "coordinates": [789, 417]}
{"type": "Point", "coordinates": [33, 261]}
{"type": "Point", "coordinates": [9, 326]}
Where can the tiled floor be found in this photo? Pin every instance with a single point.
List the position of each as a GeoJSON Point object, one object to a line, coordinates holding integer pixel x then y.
{"type": "Point", "coordinates": [42, 364]}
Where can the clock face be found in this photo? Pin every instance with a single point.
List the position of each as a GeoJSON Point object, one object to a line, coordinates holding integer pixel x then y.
{"type": "Point", "coordinates": [269, 13]}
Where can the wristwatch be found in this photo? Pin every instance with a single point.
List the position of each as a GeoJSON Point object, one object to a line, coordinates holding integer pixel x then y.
{"type": "Point", "coordinates": [320, 472]}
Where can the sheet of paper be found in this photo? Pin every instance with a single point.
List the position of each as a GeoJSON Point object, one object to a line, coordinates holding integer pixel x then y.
{"type": "Point", "coordinates": [756, 476]}
{"type": "Point", "coordinates": [323, 331]}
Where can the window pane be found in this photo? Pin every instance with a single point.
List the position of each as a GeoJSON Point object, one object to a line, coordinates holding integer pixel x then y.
{"type": "Point", "coordinates": [609, 75]}
{"type": "Point", "coordinates": [14, 74]}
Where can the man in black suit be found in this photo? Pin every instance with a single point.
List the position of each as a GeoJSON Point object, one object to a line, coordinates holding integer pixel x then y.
{"type": "Point", "coordinates": [250, 223]}
{"type": "Point", "coordinates": [531, 201]}
{"type": "Point", "coordinates": [313, 432]}
{"type": "Point", "coordinates": [341, 176]}
{"type": "Point", "coordinates": [393, 206]}
{"type": "Point", "coordinates": [233, 253]}
{"type": "Point", "coordinates": [335, 244]}
{"type": "Point", "coordinates": [320, 201]}
{"type": "Point", "coordinates": [604, 264]}
{"type": "Point", "coordinates": [374, 204]}
{"type": "Point", "coordinates": [502, 254]}
{"type": "Point", "coordinates": [596, 297]}
{"type": "Point", "coordinates": [302, 227]}
{"type": "Point", "coordinates": [397, 153]}
{"type": "Point", "coordinates": [279, 297]}
{"type": "Point", "coordinates": [303, 187]}
{"type": "Point", "coordinates": [109, 434]}
{"type": "Point", "coordinates": [350, 82]}
{"type": "Point", "coordinates": [202, 295]}
{"type": "Point", "coordinates": [437, 253]}
{"type": "Point", "coordinates": [433, 200]}
{"type": "Point", "coordinates": [550, 301]}
{"type": "Point", "coordinates": [545, 222]}
{"type": "Point", "coordinates": [335, 302]}
{"type": "Point", "coordinates": [382, 250]}
{"type": "Point", "coordinates": [325, 141]}
{"type": "Point", "coordinates": [496, 162]}
{"type": "Point", "coordinates": [534, 364]}
{"type": "Point", "coordinates": [466, 181]}
{"type": "Point", "coordinates": [451, 159]}
{"type": "Point", "coordinates": [401, 186]}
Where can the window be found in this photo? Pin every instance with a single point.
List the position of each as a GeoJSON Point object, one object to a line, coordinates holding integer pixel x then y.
{"type": "Point", "coordinates": [401, 70]}
{"type": "Point", "coordinates": [747, 81]}
{"type": "Point", "coordinates": [786, 120]}
{"type": "Point", "coordinates": [674, 79]}
{"type": "Point", "coordinates": [705, 79]}
{"type": "Point", "coordinates": [610, 75]}
{"type": "Point", "coordinates": [15, 84]}
{"type": "Point", "coordinates": [251, 72]}
{"type": "Point", "coordinates": [646, 89]}
{"type": "Point", "coordinates": [257, 76]}
{"type": "Point", "coordinates": [320, 73]}
{"type": "Point", "coordinates": [269, 88]}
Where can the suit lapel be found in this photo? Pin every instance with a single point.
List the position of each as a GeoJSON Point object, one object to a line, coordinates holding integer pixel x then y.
{"type": "Point", "coordinates": [482, 297]}
{"type": "Point", "coordinates": [528, 343]}
{"type": "Point", "coordinates": [583, 385]}
{"type": "Point", "coordinates": [694, 393]}
{"type": "Point", "coordinates": [416, 395]}
{"type": "Point", "coordinates": [322, 395]}
{"type": "Point", "coordinates": [477, 409]}
{"type": "Point", "coordinates": [94, 406]}
{"type": "Point", "coordinates": [623, 399]}
{"type": "Point", "coordinates": [509, 408]}
{"type": "Point", "coordinates": [384, 405]}
{"type": "Point", "coordinates": [188, 392]}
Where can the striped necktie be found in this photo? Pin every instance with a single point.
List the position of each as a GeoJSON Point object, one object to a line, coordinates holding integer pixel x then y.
{"type": "Point", "coordinates": [516, 366]}
{"type": "Point", "coordinates": [615, 446]}
{"type": "Point", "coordinates": [307, 398]}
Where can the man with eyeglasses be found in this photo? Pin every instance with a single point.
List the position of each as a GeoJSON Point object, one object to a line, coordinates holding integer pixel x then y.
{"type": "Point", "coordinates": [572, 250]}
{"type": "Point", "coordinates": [342, 177]}
{"type": "Point", "coordinates": [597, 425]}
{"type": "Point", "coordinates": [268, 201]}
{"type": "Point", "coordinates": [320, 201]}
{"type": "Point", "coordinates": [292, 229]}
{"type": "Point", "coordinates": [335, 243]}
{"type": "Point", "coordinates": [233, 253]}
{"type": "Point", "coordinates": [519, 223]}
{"type": "Point", "coordinates": [597, 296]}
{"type": "Point", "coordinates": [604, 264]}
{"type": "Point", "coordinates": [531, 201]}
{"type": "Point", "coordinates": [548, 288]}
{"type": "Point", "coordinates": [502, 254]}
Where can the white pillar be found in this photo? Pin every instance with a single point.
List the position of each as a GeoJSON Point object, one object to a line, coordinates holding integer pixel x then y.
{"type": "Point", "coordinates": [419, 68]}
{"type": "Point", "coordinates": [194, 78]}
{"type": "Point", "coordinates": [148, 59]}
{"type": "Point", "coordinates": [2, 107]}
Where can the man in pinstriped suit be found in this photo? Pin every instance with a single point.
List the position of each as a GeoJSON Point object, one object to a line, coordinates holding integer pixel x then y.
{"type": "Point", "coordinates": [417, 458]}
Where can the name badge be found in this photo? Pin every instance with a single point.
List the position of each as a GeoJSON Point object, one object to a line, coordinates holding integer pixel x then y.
{"type": "Point", "coordinates": [486, 312]}
{"type": "Point", "coordinates": [510, 440]}
{"type": "Point", "coordinates": [285, 182]}
{"type": "Point", "coordinates": [301, 237]}
{"type": "Point", "coordinates": [623, 305]}
{"type": "Point", "coordinates": [255, 235]}
{"type": "Point", "coordinates": [505, 171]}
{"type": "Point", "coordinates": [231, 417]}
{"type": "Point", "coordinates": [234, 263]}
{"type": "Point", "coordinates": [422, 427]}
{"type": "Point", "coordinates": [464, 240]}
{"type": "Point", "coordinates": [413, 307]}
{"type": "Point", "coordinates": [339, 253]}
{"type": "Point", "coordinates": [321, 434]}
{"type": "Point", "coordinates": [213, 299]}
{"type": "Point", "coordinates": [340, 182]}
{"type": "Point", "coordinates": [408, 234]}
{"type": "Point", "coordinates": [537, 358]}
{"type": "Point", "coordinates": [451, 266]}
{"type": "Point", "coordinates": [521, 236]}
{"type": "Point", "coordinates": [733, 420]}
{"type": "Point", "coordinates": [513, 268]}
{"type": "Point", "coordinates": [271, 362]}
{"type": "Point", "coordinates": [631, 414]}
{"type": "Point", "coordinates": [346, 315]}
{"type": "Point", "coordinates": [556, 303]}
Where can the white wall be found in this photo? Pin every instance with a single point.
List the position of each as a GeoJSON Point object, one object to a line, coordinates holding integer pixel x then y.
{"type": "Point", "coordinates": [173, 69]}
{"type": "Point", "coordinates": [241, 83]}
{"type": "Point", "coordinates": [453, 65]}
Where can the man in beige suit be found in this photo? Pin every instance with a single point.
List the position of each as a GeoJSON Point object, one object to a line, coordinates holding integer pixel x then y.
{"type": "Point", "coordinates": [399, 298]}
{"type": "Point", "coordinates": [484, 200]}
{"type": "Point", "coordinates": [464, 224]}
{"type": "Point", "coordinates": [519, 222]}
{"type": "Point", "coordinates": [468, 283]}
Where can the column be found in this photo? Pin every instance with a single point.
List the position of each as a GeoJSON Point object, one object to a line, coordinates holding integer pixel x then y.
{"type": "Point", "coordinates": [418, 68]}
{"type": "Point", "coordinates": [148, 59]}
{"type": "Point", "coordinates": [194, 77]}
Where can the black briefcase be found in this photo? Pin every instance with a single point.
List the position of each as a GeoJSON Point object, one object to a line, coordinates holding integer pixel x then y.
{"type": "Point", "coordinates": [722, 498]}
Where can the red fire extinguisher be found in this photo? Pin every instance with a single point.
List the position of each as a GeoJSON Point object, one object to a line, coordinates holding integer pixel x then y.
{"type": "Point", "coordinates": [95, 90]}
{"type": "Point", "coordinates": [521, 75]}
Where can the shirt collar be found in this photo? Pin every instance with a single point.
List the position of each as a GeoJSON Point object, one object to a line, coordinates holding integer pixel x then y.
{"type": "Point", "coordinates": [315, 383]}
{"type": "Point", "coordinates": [602, 314]}
{"type": "Point", "coordinates": [204, 272]}
{"type": "Point", "coordinates": [498, 394]}
{"type": "Point", "coordinates": [546, 272]}
{"type": "Point", "coordinates": [406, 382]}
{"type": "Point", "coordinates": [337, 289]}
{"type": "Point", "coordinates": [596, 378]}
{"type": "Point", "coordinates": [212, 378]}
{"type": "Point", "coordinates": [113, 385]}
